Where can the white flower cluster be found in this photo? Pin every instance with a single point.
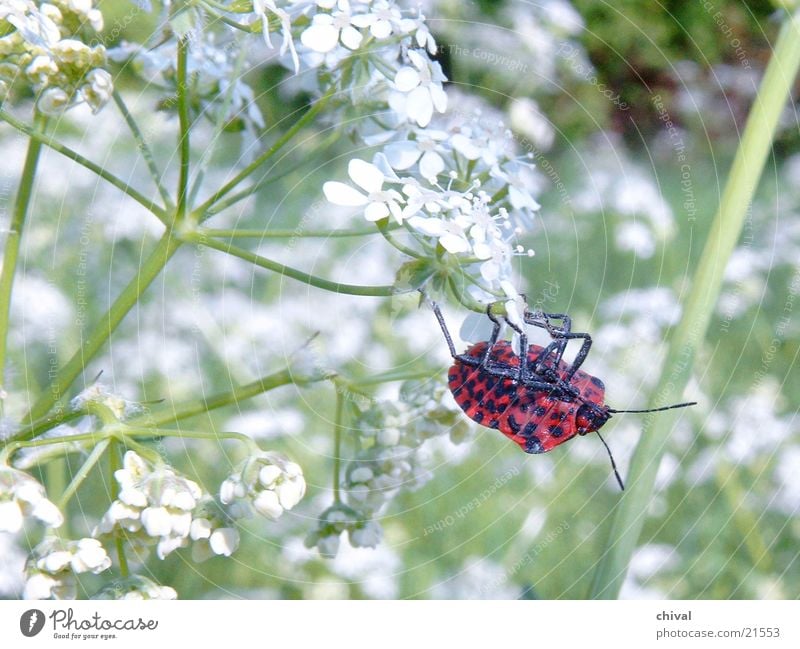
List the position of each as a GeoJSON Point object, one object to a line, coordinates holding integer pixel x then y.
{"type": "Point", "coordinates": [456, 183]}
{"type": "Point", "coordinates": [43, 44]}
{"type": "Point", "coordinates": [22, 496]}
{"type": "Point", "coordinates": [390, 434]}
{"type": "Point", "coordinates": [337, 519]}
{"type": "Point", "coordinates": [52, 568]}
{"type": "Point", "coordinates": [156, 505]}
{"type": "Point", "coordinates": [267, 482]}
{"type": "Point", "coordinates": [135, 587]}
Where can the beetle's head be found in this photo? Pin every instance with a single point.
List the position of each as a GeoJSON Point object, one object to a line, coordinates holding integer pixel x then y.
{"type": "Point", "coordinates": [591, 417]}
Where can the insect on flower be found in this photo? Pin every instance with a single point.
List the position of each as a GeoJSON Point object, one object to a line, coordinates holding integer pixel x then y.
{"type": "Point", "coordinates": [532, 396]}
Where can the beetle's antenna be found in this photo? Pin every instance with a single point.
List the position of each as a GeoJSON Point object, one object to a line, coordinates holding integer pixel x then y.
{"type": "Point", "coordinates": [677, 405]}
{"type": "Point", "coordinates": [613, 464]}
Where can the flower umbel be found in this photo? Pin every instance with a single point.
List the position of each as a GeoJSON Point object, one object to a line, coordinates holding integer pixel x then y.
{"type": "Point", "coordinates": [267, 482]}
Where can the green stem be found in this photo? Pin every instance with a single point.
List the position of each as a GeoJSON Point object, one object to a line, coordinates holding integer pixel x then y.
{"type": "Point", "coordinates": [306, 119]}
{"type": "Point", "coordinates": [630, 511]}
{"type": "Point", "coordinates": [300, 276]}
{"type": "Point", "coordinates": [384, 230]}
{"type": "Point", "coordinates": [120, 184]}
{"type": "Point", "coordinates": [202, 406]}
{"type": "Point", "coordinates": [80, 476]}
{"type": "Point", "coordinates": [147, 154]}
{"type": "Point", "coordinates": [185, 126]}
{"type": "Point", "coordinates": [337, 446]}
{"type": "Point", "coordinates": [114, 463]}
{"type": "Point", "coordinates": [130, 295]}
{"type": "Point", "coordinates": [291, 234]}
{"type": "Point", "coordinates": [11, 252]}
{"type": "Point", "coordinates": [47, 423]}
{"type": "Point", "coordinates": [129, 431]}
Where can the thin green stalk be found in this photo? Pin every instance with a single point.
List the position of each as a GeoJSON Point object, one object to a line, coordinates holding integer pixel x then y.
{"type": "Point", "coordinates": [337, 446]}
{"type": "Point", "coordinates": [64, 150]}
{"type": "Point", "coordinates": [185, 126]}
{"type": "Point", "coordinates": [291, 234]}
{"type": "Point", "coordinates": [130, 295]}
{"type": "Point", "coordinates": [129, 431]}
{"type": "Point", "coordinates": [12, 246]}
{"type": "Point", "coordinates": [81, 474]}
{"type": "Point", "coordinates": [630, 511]}
{"type": "Point", "coordinates": [141, 143]}
{"type": "Point", "coordinates": [384, 230]}
{"type": "Point", "coordinates": [300, 276]}
{"type": "Point", "coordinates": [301, 123]}
{"type": "Point", "coordinates": [114, 463]}
{"type": "Point", "coordinates": [202, 406]}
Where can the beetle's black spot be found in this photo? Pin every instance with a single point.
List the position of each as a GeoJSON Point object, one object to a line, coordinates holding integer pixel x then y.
{"type": "Point", "coordinates": [505, 388]}
{"type": "Point", "coordinates": [598, 383]}
{"type": "Point", "coordinates": [466, 404]}
{"type": "Point", "coordinates": [556, 431]}
{"type": "Point", "coordinates": [513, 424]}
{"type": "Point", "coordinates": [530, 429]}
{"type": "Point", "coordinates": [523, 407]}
{"type": "Point", "coordinates": [539, 411]}
{"type": "Point", "coordinates": [534, 445]}
{"type": "Point", "coordinates": [478, 416]}
{"type": "Point", "coordinates": [452, 376]}
{"type": "Point", "coordinates": [494, 423]}
{"type": "Point", "coordinates": [491, 406]}
{"type": "Point", "coordinates": [556, 416]}
{"type": "Point", "coordinates": [479, 395]}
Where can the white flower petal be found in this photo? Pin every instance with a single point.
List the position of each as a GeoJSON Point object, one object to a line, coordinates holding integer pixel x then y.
{"type": "Point", "coordinates": [402, 155]}
{"type": "Point", "coordinates": [381, 29]}
{"type": "Point", "coordinates": [366, 175]}
{"type": "Point", "coordinates": [351, 37]}
{"type": "Point", "coordinates": [341, 194]}
{"type": "Point", "coordinates": [431, 165]}
{"type": "Point", "coordinates": [11, 518]}
{"type": "Point", "coordinates": [157, 521]}
{"type": "Point", "coordinates": [453, 243]}
{"type": "Point", "coordinates": [268, 474]}
{"type": "Point", "coordinates": [39, 586]}
{"type": "Point", "coordinates": [48, 513]}
{"type": "Point", "coordinates": [420, 106]}
{"type": "Point", "coordinates": [406, 79]}
{"type": "Point", "coordinates": [200, 529]}
{"type": "Point", "coordinates": [320, 37]}
{"type": "Point", "coordinates": [224, 541]}
{"type": "Point", "coordinates": [267, 504]}
{"type": "Point", "coordinates": [376, 211]}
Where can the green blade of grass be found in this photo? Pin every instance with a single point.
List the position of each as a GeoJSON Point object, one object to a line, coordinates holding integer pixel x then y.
{"type": "Point", "coordinates": [630, 511]}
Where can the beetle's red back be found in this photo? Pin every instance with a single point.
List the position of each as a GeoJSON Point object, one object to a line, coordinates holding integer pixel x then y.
{"type": "Point", "coordinates": [535, 420]}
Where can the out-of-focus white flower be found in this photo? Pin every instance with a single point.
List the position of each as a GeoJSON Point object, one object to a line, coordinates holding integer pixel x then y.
{"type": "Point", "coordinates": [154, 505]}
{"type": "Point", "coordinates": [379, 203]}
{"type": "Point", "coordinates": [21, 496]}
{"type": "Point", "coordinates": [339, 518]}
{"type": "Point", "coordinates": [269, 482]}
{"type": "Point", "coordinates": [211, 534]}
{"type": "Point", "coordinates": [367, 535]}
{"type": "Point", "coordinates": [54, 563]}
{"type": "Point", "coordinates": [326, 30]}
{"type": "Point", "coordinates": [418, 90]}
{"type": "Point", "coordinates": [135, 587]}
{"type": "Point", "coordinates": [47, 51]}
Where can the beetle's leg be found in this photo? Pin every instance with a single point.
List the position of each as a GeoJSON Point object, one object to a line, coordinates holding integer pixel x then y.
{"type": "Point", "coordinates": [492, 339]}
{"type": "Point", "coordinates": [582, 353]}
